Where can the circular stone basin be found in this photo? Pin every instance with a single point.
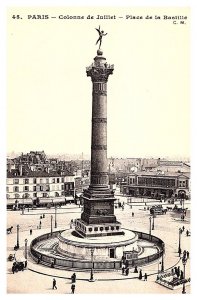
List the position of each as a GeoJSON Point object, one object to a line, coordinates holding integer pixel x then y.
{"type": "Point", "coordinates": [103, 247]}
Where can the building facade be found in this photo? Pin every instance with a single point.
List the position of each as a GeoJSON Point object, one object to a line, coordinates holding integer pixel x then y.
{"type": "Point", "coordinates": [37, 187]}
{"type": "Point", "coordinates": [157, 185]}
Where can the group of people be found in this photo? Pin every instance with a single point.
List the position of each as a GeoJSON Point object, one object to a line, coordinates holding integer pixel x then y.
{"type": "Point", "coordinates": [19, 266]}
{"type": "Point", "coordinates": [177, 273]}
{"type": "Point", "coordinates": [73, 281]}
{"type": "Point", "coordinates": [125, 271]}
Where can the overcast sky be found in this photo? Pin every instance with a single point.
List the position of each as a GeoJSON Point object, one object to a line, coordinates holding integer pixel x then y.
{"type": "Point", "coordinates": [49, 95]}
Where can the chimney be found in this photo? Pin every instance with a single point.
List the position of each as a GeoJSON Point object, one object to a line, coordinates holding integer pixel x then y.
{"type": "Point", "coordinates": [21, 170]}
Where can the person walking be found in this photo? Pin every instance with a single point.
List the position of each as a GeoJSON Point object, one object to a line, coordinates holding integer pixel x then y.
{"type": "Point", "coordinates": [30, 231]}
{"type": "Point", "coordinates": [183, 228]}
{"type": "Point", "coordinates": [73, 278]}
{"type": "Point", "coordinates": [73, 288]}
{"type": "Point", "coordinates": [123, 269]}
{"type": "Point", "coordinates": [127, 271]}
{"type": "Point", "coordinates": [13, 268]}
{"type": "Point", "coordinates": [54, 284]}
{"type": "Point", "coordinates": [178, 271]}
{"type": "Point", "coordinates": [135, 270]}
{"type": "Point", "coordinates": [140, 275]}
{"type": "Point", "coordinates": [187, 254]}
{"type": "Point", "coordinates": [145, 277]}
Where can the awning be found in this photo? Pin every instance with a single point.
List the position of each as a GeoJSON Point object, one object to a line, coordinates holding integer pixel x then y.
{"type": "Point", "coordinates": [69, 198]}
{"type": "Point", "coordinates": [59, 200]}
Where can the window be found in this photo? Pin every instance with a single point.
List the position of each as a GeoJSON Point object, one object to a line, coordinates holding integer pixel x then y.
{"type": "Point", "coordinates": [62, 187]}
{"type": "Point", "coordinates": [34, 180]}
{"type": "Point", "coordinates": [62, 193]}
{"type": "Point", "coordinates": [101, 228]}
{"type": "Point", "coordinates": [17, 196]}
{"type": "Point", "coordinates": [47, 188]}
{"type": "Point", "coordinates": [58, 180]}
{"type": "Point", "coordinates": [117, 227]}
{"type": "Point", "coordinates": [47, 180]}
{"type": "Point", "coordinates": [7, 189]}
{"type": "Point", "coordinates": [62, 179]}
{"type": "Point", "coordinates": [53, 180]}
{"type": "Point", "coordinates": [16, 181]}
{"type": "Point", "coordinates": [34, 188]}
{"type": "Point", "coordinates": [41, 188]}
{"type": "Point", "coordinates": [106, 228]}
{"type": "Point", "coordinates": [34, 194]}
{"type": "Point", "coordinates": [41, 180]}
{"type": "Point", "coordinates": [16, 189]}
{"type": "Point", "coordinates": [95, 228]}
{"type": "Point", "coordinates": [26, 188]}
{"type": "Point", "coordinates": [7, 196]}
{"type": "Point", "coordinates": [26, 181]}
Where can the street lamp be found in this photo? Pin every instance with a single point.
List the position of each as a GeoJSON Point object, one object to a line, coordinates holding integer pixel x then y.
{"type": "Point", "coordinates": [17, 235]}
{"type": "Point", "coordinates": [26, 248]}
{"type": "Point", "coordinates": [51, 225]}
{"type": "Point", "coordinates": [55, 216]}
{"type": "Point", "coordinates": [150, 228]}
{"type": "Point", "coordinates": [162, 258]}
{"type": "Point", "coordinates": [153, 226]}
{"type": "Point", "coordinates": [179, 248]}
{"type": "Point", "coordinates": [92, 260]}
{"type": "Point", "coordinates": [184, 261]}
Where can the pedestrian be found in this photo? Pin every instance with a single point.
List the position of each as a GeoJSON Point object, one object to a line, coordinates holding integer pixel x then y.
{"type": "Point", "coordinates": [178, 271]}
{"type": "Point", "coordinates": [54, 284]}
{"type": "Point", "coordinates": [175, 270]}
{"type": "Point", "coordinates": [43, 216]}
{"type": "Point", "coordinates": [40, 217]}
{"type": "Point", "coordinates": [13, 268]}
{"type": "Point", "coordinates": [187, 254]}
{"type": "Point", "coordinates": [127, 271]}
{"type": "Point", "coordinates": [172, 271]}
{"type": "Point", "coordinates": [187, 232]}
{"type": "Point", "coordinates": [135, 270]}
{"type": "Point", "coordinates": [30, 232]}
{"type": "Point", "coordinates": [132, 214]}
{"type": "Point", "coordinates": [183, 228]}
{"type": "Point", "coordinates": [184, 254]}
{"type": "Point", "coordinates": [123, 269]}
{"type": "Point", "coordinates": [25, 264]}
{"type": "Point", "coordinates": [73, 278]}
{"type": "Point", "coordinates": [145, 277]}
{"type": "Point", "coordinates": [140, 275]}
{"type": "Point", "coordinates": [73, 288]}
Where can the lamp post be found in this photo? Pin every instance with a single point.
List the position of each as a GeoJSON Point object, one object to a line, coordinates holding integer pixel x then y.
{"type": "Point", "coordinates": [179, 248]}
{"type": "Point", "coordinates": [92, 260]}
{"type": "Point", "coordinates": [184, 261]}
{"type": "Point", "coordinates": [158, 267]}
{"type": "Point", "coordinates": [55, 216]}
{"type": "Point", "coordinates": [26, 248]}
{"type": "Point", "coordinates": [153, 225]}
{"type": "Point", "coordinates": [150, 228]}
{"type": "Point", "coordinates": [17, 236]}
{"type": "Point", "coordinates": [162, 258]}
{"type": "Point", "coordinates": [51, 225]}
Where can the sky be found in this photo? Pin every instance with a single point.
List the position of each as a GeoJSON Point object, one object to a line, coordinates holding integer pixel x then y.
{"type": "Point", "coordinates": [49, 94]}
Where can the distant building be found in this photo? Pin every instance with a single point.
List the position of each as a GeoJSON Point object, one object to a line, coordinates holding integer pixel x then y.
{"type": "Point", "coordinates": [41, 188]}
{"type": "Point", "coordinates": [157, 185]}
